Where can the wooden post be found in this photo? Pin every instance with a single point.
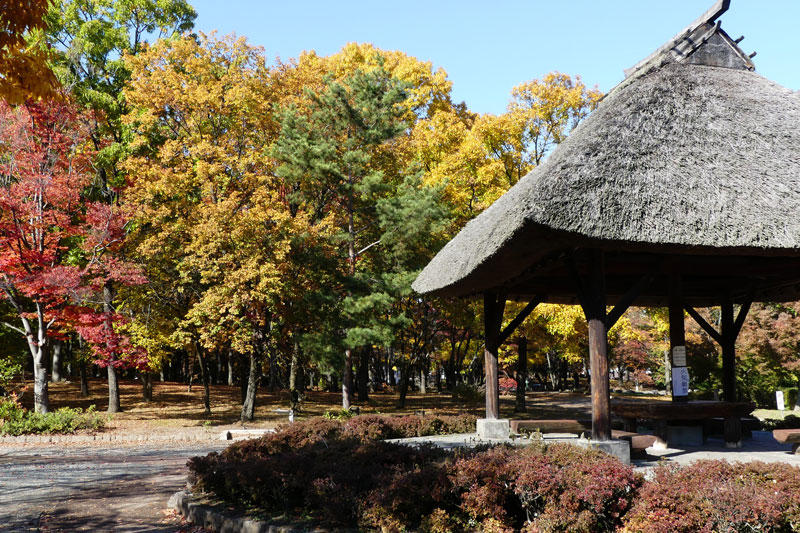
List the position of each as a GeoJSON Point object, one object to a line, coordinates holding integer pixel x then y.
{"type": "Point", "coordinates": [522, 374]}
{"type": "Point", "coordinates": [493, 306]}
{"type": "Point", "coordinates": [677, 334]}
{"type": "Point", "coordinates": [598, 349]}
{"type": "Point", "coordinates": [728, 344]}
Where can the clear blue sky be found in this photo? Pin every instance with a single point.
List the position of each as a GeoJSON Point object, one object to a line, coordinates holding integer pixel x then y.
{"type": "Point", "coordinates": [487, 46]}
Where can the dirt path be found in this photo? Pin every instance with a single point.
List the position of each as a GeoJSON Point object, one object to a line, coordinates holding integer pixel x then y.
{"type": "Point", "coordinates": [71, 488]}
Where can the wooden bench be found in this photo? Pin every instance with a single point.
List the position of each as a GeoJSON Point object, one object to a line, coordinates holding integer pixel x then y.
{"type": "Point", "coordinates": [689, 413]}
{"type": "Point", "coordinates": [551, 426]}
{"type": "Point", "coordinates": [638, 441]}
{"type": "Point", "coordinates": [788, 436]}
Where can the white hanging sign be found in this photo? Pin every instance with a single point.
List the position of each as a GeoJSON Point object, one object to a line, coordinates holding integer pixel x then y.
{"type": "Point", "coordinates": [680, 381]}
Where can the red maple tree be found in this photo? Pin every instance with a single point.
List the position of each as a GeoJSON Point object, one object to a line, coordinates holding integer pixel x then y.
{"type": "Point", "coordinates": [57, 249]}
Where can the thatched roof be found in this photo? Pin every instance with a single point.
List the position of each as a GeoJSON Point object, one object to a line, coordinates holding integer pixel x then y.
{"type": "Point", "coordinates": [681, 157]}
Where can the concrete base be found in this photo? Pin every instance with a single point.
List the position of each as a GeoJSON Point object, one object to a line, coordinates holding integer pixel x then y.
{"type": "Point", "coordinates": [618, 448]}
{"type": "Point", "coordinates": [493, 428]}
{"type": "Point", "coordinates": [678, 436]}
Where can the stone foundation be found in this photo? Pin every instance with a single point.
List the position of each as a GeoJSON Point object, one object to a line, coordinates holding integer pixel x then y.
{"type": "Point", "coordinates": [493, 428]}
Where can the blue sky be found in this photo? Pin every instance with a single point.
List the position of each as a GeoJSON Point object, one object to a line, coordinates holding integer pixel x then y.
{"type": "Point", "coordinates": [489, 46]}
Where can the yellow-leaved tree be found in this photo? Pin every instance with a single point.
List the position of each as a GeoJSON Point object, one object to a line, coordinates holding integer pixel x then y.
{"type": "Point", "coordinates": [215, 229]}
{"type": "Point", "coordinates": [24, 72]}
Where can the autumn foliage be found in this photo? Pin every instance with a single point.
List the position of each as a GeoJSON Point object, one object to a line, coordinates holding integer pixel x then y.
{"type": "Point", "coordinates": [55, 244]}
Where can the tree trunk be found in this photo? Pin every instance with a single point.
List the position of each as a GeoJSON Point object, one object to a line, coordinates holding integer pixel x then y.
{"type": "Point", "coordinates": [230, 368]}
{"type": "Point", "coordinates": [201, 360]}
{"type": "Point", "coordinates": [249, 401]}
{"type": "Point", "coordinates": [437, 376]}
{"type": "Point", "coordinates": [190, 360]}
{"type": "Point", "coordinates": [273, 373]}
{"type": "Point", "coordinates": [84, 380]}
{"type": "Point", "coordinates": [40, 394]}
{"type": "Point", "coordinates": [113, 390]}
{"type": "Point", "coordinates": [347, 379]}
{"type": "Point", "coordinates": [363, 375]}
{"type": "Point", "coordinates": [113, 385]}
{"type": "Point", "coordinates": [423, 381]}
{"type": "Point", "coordinates": [522, 375]}
{"type": "Point", "coordinates": [450, 372]}
{"type": "Point", "coordinates": [294, 393]}
{"type": "Point", "coordinates": [55, 373]}
{"type": "Point", "coordinates": [404, 378]}
{"type": "Point", "coordinates": [147, 386]}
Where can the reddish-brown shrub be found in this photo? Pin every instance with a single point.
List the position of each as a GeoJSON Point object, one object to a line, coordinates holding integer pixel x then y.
{"type": "Point", "coordinates": [558, 488]}
{"type": "Point", "coordinates": [337, 473]}
{"type": "Point", "coordinates": [712, 496]}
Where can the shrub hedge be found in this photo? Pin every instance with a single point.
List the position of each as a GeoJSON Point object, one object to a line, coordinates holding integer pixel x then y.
{"type": "Point", "coordinates": [342, 473]}
{"type": "Point", "coordinates": [719, 496]}
{"type": "Point", "coordinates": [16, 420]}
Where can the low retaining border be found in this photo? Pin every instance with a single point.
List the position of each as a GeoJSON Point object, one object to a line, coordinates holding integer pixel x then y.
{"type": "Point", "coordinates": [207, 517]}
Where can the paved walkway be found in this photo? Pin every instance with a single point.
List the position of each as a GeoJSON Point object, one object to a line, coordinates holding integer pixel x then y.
{"type": "Point", "coordinates": [93, 488]}
{"type": "Point", "coordinates": [761, 447]}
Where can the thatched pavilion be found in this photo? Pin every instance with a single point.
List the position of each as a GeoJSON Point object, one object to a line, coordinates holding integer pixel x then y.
{"type": "Point", "coordinates": [681, 189]}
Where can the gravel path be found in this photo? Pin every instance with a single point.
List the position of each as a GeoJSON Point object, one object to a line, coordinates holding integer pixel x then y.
{"type": "Point", "coordinates": [93, 488]}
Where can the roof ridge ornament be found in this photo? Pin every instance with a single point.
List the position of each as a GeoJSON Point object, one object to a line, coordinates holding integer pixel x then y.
{"type": "Point", "coordinates": [703, 42]}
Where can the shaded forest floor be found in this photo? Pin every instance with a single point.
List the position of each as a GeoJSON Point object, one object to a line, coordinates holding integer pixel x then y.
{"type": "Point", "coordinates": [174, 407]}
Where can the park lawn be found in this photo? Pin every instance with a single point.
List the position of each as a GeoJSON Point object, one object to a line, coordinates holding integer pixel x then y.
{"type": "Point", "coordinates": [174, 407]}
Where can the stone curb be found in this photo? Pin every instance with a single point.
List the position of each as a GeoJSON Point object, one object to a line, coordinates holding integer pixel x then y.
{"type": "Point", "coordinates": [107, 437]}
{"type": "Point", "coordinates": [201, 515]}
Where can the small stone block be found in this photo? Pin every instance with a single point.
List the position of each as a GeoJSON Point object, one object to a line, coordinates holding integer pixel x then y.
{"type": "Point", "coordinates": [493, 428]}
{"type": "Point", "coordinates": [678, 436]}
{"type": "Point", "coordinates": [618, 448]}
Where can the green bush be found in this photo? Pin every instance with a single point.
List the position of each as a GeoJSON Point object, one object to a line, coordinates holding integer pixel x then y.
{"type": "Point", "coordinates": [466, 393]}
{"type": "Point", "coordinates": [16, 420]}
{"type": "Point", "coordinates": [789, 422]}
{"type": "Point", "coordinates": [339, 414]}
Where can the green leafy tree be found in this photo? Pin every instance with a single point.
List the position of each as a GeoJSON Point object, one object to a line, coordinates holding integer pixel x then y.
{"type": "Point", "coordinates": [330, 156]}
{"type": "Point", "coordinates": [93, 38]}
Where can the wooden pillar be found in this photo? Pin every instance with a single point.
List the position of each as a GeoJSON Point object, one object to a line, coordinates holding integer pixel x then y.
{"type": "Point", "coordinates": [522, 374]}
{"type": "Point", "coordinates": [728, 344]}
{"type": "Point", "coordinates": [595, 310]}
{"type": "Point", "coordinates": [493, 306]}
{"type": "Point", "coordinates": [677, 333]}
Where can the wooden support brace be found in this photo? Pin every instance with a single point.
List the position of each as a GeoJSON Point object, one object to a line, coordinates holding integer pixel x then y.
{"type": "Point", "coordinates": [740, 318]}
{"type": "Point", "coordinates": [627, 299]}
{"type": "Point", "coordinates": [708, 328]}
{"type": "Point", "coordinates": [515, 323]}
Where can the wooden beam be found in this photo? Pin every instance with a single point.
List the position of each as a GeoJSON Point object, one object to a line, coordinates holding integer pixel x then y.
{"type": "Point", "coordinates": [595, 310]}
{"type": "Point", "coordinates": [493, 306]}
{"type": "Point", "coordinates": [742, 316]}
{"type": "Point", "coordinates": [714, 334]}
{"type": "Point", "coordinates": [545, 264]}
{"type": "Point", "coordinates": [627, 299]}
{"type": "Point", "coordinates": [522, 375]}
{"type": "Point", "coordinates": [677, 331]}
{"type": "Point", "coordinates": [521, 316]}
{"type": "Point", "coordinates": [580, 288]}
{"type": "Point", "coordinates": [728, 351]}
